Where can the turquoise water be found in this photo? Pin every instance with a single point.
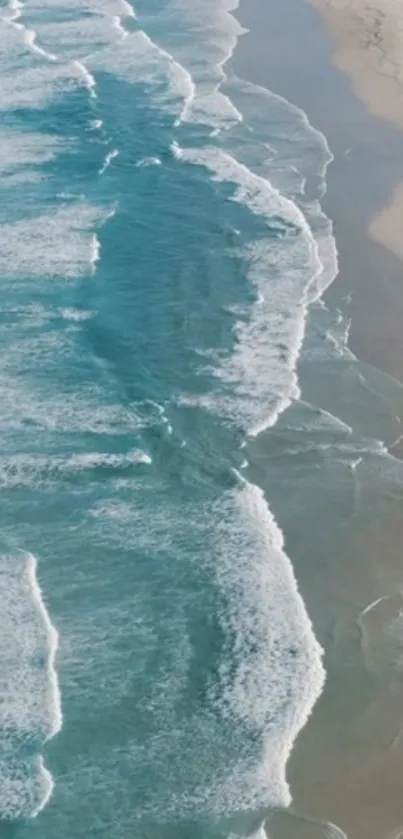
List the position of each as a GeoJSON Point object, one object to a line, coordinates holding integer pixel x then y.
{"type": "Point", "coordinates": [161, 243]}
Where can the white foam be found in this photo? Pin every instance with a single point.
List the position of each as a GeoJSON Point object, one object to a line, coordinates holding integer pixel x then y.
{"type": "Point", "coordinates": [269, 584]}
{"type": "Point", "coordinates": [31, 706]}
{"type": "Point", "coordinates": [274, 676]}
{"type": "Point", "coordinates": [81, 34]}
{"type": "Point", "coordinates": [212, 34]}
{"type": "Point", "coordinates": [14, 7]}
{"type": "Point", "coordinates": [87, 77]}
{"type": "Point", "coordinates": [20, 151]}
{"type": "Point", "coordinates": [40, 470]}
{"type": "Point", "coordinates": [176, 150]}
{"type": "Point", "coordinates": [297, 149]}
{"type": "Point", "coordinates": [52, 646]}
{"type": "Point", "coordinates": [83, 411]}
{"type": "Point", "coordinates": [96, 124]}
{"type": "Point", "coordinates": [101, 42]}
{"type": "Point", "coordinates": [30, 37]}
{"type": "Point", "coordinates": [113, 509]}
{"type": "Point", "coordinates": [299, 156]}
{"type": "Point", "coordinates": [34, 84]}
{"type": "Point", "coordinates": [22, 179]}
{"type": "Point", "coordinates": [183, 80]}
{"type": "Point", "coordinates": [266, 672]}
{"type": "Point", "coordinates": [149, 161]}
{"type": "Point", "coordinates": [94, 39]}
{"type": "Point", "coordinates": [260, 668]}
{"type": "Point", "coordinates": [138, 59]}
{"type": "Point", "coordinates": [212, 109]}
{"type": "Point", "coordinates": [275, 673]}
{"type": "Point", "coordinates": [108, 160]}
{"type": "Point", "coordinates": [76, 315]}
{"type": "Point", "coordinates": [112, 8]}
{"type": "Point", "coordinates": [260, 375]}
{"type": "Point", "coordinates": [79, 37]}
{"type": "Point", "coordinates": [61, 243]}
{"type": "Point", "coordinates": [107, 9]}
{"type": "Point", "coordinates": [128, 9]}
{"type": "Point", "coordinates": [95, 251]}
{"type": "Point", "coordinates": [91, 460]}
{"type": "Point", "coordinates": [76, 38]}
{"type": "Point", "coordinates": [117, 23]}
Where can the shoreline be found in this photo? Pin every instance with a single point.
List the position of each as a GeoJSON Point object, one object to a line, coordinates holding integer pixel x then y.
{"type": "Point", "coordinates": [363, 180]}
{"type": "Point", "coordinates": [345, 766]}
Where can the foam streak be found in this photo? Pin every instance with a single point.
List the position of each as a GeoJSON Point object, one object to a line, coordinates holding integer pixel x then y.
{"type": "Point", "coordinates": [31, 704]}
{"type": "Point", "coordinates": [88, 78]}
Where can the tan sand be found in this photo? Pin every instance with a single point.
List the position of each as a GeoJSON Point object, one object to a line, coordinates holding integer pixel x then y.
{"type": "Point", "coordinates": [369, 49]}
{"type": "Point", "coordinates": [387, 227]}
{"type": "Point", "coordinates": [369, 37]}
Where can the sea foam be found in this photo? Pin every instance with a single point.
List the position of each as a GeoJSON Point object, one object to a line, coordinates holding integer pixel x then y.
{"type": "Point", "coordinates": [260, 375]}
{"type": "Point", "coordinates": [61, 243]}
{"type": "Point", "coordinates": [223, 627]}
{"type": "Point", "coordinates": [46, 471]}
{"type": "Point", "coordinates": [137, 59]}
{"type": "Point", "coordinates": [108, 160]}
{"type": "Point", "coordinates": [277, 675]}
{"type": "Point", "coordinates": [212, 33]}
{"type": "Point", "coordinates": [32, 83]}
{"type": "Point", "coordinates": [23, 153]}
{"type": "Point", "coordinates": [234, 744]}
{"type": "Point", "coordinates": [31, 707]}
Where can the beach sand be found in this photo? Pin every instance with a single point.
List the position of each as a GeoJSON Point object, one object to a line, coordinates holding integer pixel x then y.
{"type": "Point", "coordinates": [340, 62]}
{"type": "Point", "coordinates": [368, 47]}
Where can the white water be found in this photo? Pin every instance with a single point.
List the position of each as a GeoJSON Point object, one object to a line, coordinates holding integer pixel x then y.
{"type": "Point", "coordinates": [30, 710]}
{"type": "Point", "coordinates": [58, 244]}
{"type": "Point", "coordinates": [275, 650]}
{"type": "Point", "coordinates": [260, 375]}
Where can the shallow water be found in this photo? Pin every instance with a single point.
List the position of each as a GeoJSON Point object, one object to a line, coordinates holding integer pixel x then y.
{"type": "Point", "coordinates": [163, 254]}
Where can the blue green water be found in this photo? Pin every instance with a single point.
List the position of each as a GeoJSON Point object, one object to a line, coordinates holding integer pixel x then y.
{"type": "Point", "coordinates": [161, 242]}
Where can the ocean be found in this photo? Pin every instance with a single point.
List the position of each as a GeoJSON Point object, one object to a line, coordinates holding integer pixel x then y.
{"type": "Point", "coordinates": [165, 345]}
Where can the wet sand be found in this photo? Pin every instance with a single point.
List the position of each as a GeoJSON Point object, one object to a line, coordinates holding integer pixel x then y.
{"type": "Point", "coordinates": [341, 67]}
{"type": "Point", "coordinates": [289, 51]}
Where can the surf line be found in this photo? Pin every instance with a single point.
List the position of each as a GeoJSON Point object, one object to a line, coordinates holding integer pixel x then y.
{"type": "Point", "coordinates": [30, 38]}
{"type": "Point", "coordinates": [15, 8]}
{"type": "Point", "coordinates": [52, 644]}
{"type": "Point", "coordinates": [118, 25]}
{"type": "Point", "coordinates": [108, 160]}
{"type": "Point", "coordinates": [29, 35]}
{"type": "Point", "coordinates": [87, 77]}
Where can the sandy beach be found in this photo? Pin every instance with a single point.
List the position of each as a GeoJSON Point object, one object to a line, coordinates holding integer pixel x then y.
{"type": "Point", "coordinates": [342, 62]}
